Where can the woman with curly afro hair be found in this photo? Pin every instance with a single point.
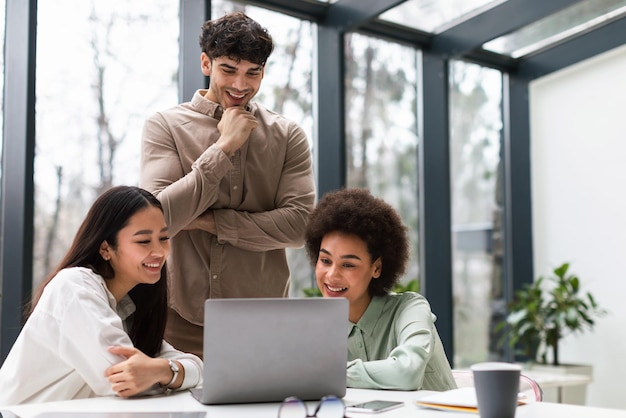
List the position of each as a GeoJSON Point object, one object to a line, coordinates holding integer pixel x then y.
{"type": "Point", "coordinates": [359, 247]}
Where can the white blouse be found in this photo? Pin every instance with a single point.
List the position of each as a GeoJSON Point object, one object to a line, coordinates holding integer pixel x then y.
{"type": "Point", "coordinates": [61, 352]}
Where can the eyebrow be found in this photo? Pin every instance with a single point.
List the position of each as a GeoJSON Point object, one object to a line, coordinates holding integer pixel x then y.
{"type": "Point", "coordinates": [347, 256]}
{"type": "Point", "coordinates": [149, 231]}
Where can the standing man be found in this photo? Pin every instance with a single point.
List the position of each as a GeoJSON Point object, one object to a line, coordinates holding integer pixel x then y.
{"type": "Point", "coordinates": [234, 178]}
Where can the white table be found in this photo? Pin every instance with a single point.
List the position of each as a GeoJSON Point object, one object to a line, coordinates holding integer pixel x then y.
{"type": "Point", "coordinates": [184, 402]}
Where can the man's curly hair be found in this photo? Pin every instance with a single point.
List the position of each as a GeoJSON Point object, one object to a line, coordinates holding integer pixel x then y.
{"type": "Point", "coordinates": [237, 37]}
{"type": "Point", "coordinates": [357, 212]}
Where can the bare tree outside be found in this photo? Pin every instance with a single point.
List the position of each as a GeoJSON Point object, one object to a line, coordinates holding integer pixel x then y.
{"type": "Point", "coordinates": [475, 134]}
{"type": "Point", "coordinates": [107, 141]}
{"type": "Point", "coordinates": [381, 127]}
{"type": "Point", "coordinates": [2, 21]}
{"type": "Point", "coordinates": [94, 90]}
{"type": "Point", "coordinates": [382, 156]}
{"type": "Point", "coordinates": [53, 227]}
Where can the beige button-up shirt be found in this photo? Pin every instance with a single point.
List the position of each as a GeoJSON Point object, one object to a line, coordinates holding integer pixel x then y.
{"type": "Point", "coordinates": [261, 199]}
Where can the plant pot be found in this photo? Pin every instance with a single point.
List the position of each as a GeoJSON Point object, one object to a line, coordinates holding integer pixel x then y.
{"type": "Point", "coordinates": [565, 383]}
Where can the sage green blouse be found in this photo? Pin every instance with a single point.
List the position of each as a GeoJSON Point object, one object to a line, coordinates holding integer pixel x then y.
{"type": "Point", "coordinates": [395, 345]}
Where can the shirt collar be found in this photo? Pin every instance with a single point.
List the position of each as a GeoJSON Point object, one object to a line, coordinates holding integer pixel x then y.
{"type": "Point", "coordinates": [125, 307]}
{"type": "Point", "coordinates": [370, 317]}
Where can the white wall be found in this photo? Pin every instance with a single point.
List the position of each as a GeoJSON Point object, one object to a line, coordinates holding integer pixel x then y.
{"type": "Point", "coordinates": [578, 160]}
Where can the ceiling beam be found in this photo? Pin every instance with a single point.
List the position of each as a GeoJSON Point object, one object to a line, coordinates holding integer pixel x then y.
{"type": "Point", "coordinates": [396, 33]}
{"type": "Point", "coordinates": [491, 60]}
{"type": "Point", "coordinates": [499, 20]}
{"type": "Point", "coordinates": [572, 51]}
{"type": "Point", "coordinates": [303, 9]}
{"type": "Point", "coordinates": [346, 15]}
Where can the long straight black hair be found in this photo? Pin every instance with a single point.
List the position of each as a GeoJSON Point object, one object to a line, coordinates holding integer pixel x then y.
{"type": "Point", "coordinates": [110, 213]}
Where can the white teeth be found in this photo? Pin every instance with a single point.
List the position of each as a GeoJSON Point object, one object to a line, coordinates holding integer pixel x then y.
{"type": "Point", "coordinates": [236, 96]}
{"type": "Point", "coordinates": [152, 265]}
{"type": "Point", "coordinates": [336, 289]}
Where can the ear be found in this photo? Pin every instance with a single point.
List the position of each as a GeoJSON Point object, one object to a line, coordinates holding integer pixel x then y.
{"type": "Point", "coordinates": [205, 64]}
{"type": "Point", "coordinates": [105, 251]}
{"type": "Point", "coordinates": [378, 268]}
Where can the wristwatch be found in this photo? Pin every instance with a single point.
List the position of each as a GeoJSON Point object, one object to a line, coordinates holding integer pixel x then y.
{"type": "Point", "coordinates": [175, 369]}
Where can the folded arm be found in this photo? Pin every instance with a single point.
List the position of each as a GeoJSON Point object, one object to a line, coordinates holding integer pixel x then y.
{"type": "Point", "coordinates": [184, 195]}
{"type": "Point", "coordinates": [187, 197]}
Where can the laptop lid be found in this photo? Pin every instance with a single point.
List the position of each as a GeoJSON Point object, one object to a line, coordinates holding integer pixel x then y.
{"type": "Point", "coordinates": [267, 349]}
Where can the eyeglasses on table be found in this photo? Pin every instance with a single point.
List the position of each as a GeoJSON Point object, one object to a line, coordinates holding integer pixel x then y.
{"type": "Point", "coordinates": [328, 407]}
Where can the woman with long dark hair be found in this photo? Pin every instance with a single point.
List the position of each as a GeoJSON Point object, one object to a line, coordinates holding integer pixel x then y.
{"type": "Point", "coordinates": [95, 325]}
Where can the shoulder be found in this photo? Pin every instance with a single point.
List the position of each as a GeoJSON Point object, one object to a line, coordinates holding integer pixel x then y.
{"type": "Point", "coordinates": [170, 118]}
{"type": "Point", "coordinates": [72, 287]}
{"type": "Point", "coordinates": [404, 299]}
{"type": "Point", "coordinates": [76, 280]}
{"type": "Point", "coordinates": [172, 115]}
{"type": "Point", "coordinates": [274, 119]}
{"type": "Point", "coordinates": [407, 304]}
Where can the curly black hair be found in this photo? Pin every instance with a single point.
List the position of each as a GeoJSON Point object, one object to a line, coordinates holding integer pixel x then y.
{"type": "Point", "coordinates": [357, 212]}
{"type": "Point", "coordinates": [237, 37]}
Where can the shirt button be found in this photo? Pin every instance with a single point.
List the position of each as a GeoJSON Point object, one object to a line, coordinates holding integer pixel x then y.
{"type": "Point", "coordinates": [215, 277]}
{"type": "Point", "coordinates": [234, 187]}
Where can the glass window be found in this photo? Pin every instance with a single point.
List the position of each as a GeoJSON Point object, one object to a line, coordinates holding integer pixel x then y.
{"type": "Point", "coordinates": [475, 132]}
{"type": "Point", "coordinates": [381, 127]}
{"type": "Point", "coordinates": [2, 20]}
{"type": "Point", "coordinates": [286, 89]}
{"type": "Point", "coordinates": [434, 15]}
{"type": "Point", "coordinates": [103, 67]}
{"type": "Point", "coordinates": [567, 23]}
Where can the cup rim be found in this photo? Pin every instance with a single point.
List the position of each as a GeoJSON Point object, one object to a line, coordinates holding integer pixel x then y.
{"type": "Point", "coordinates": [494, 365]}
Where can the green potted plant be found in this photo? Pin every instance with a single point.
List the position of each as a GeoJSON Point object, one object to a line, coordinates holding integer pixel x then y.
{"type": "Point", "coordinates": [545, 311]}
{"type": "Point", "coordinates": [540, 315]}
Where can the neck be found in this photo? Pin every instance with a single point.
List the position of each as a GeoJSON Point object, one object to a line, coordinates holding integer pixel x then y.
{"type": "Point", "coordinates": [358, 308]}
{"type": "Point", "coordinates": [117, 288]}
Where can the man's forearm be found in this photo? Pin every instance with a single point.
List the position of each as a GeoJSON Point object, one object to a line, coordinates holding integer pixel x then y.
{"type": "Point", "coordinates": [204, 222]}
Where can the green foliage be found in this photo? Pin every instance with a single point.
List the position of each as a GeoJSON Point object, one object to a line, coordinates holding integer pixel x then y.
{"type": "Point", "coordinates": [539, 316]}
{"type": "Point", "coordinates": [312, 292]}
{"type": "Point", "coordinates": [412, 285]}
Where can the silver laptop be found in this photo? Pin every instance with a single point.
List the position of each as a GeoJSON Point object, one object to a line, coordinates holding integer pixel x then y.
{"type": "Point", "coordinates": [264, 350]}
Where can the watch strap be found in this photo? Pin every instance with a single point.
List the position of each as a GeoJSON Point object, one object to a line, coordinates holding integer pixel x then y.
{"type": "Point", "coordinates": [175, 369]}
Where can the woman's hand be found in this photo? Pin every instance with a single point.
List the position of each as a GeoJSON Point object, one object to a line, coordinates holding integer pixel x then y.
{"type": "Point", "coordinates": [138, 373]}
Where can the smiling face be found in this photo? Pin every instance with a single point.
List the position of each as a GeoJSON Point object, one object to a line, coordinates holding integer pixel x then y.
{"type": "Point", "coordinates": [344, 269]}
{"type": "Point", "coordinates": [233, 83]}
{"type": "Point", "coordinates": [142, 248]}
